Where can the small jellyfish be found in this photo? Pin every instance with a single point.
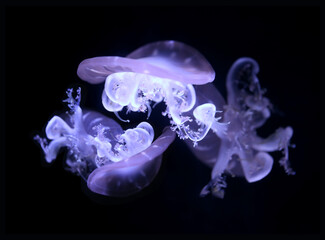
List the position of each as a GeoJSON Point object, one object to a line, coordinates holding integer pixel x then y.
{"type": "Point", "coordinates": [160, 71]}
{"type": "Point", "coordinates": [95, 141]}
{"type": "Point", "coordinates": [206, 150]}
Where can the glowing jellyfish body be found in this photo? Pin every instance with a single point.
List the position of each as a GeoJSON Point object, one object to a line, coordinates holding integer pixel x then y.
{"type": "Point", "coordinates": [95, 142]}
{"type": "Point", "coordinates": [120, 163]}
{"type": "Point", "coordinates": [160, 71]}
{"type": "Point", "coordinates": [241, 150]}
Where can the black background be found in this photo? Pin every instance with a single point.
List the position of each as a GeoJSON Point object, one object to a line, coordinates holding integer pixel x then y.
{"type": "Point", "coordinates": [43, 47]}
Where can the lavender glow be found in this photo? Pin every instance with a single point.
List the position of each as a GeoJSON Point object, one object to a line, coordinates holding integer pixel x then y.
{"type": "Point", "coordinates": [120, 163]}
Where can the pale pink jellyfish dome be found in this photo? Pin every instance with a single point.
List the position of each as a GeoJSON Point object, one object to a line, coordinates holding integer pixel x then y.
{"type": "Point", "coordinates": [165, 59]}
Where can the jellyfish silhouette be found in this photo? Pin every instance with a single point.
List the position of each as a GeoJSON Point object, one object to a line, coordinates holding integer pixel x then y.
{"type": "Point", "coordinates": [240, 151]}
{"type": "Point", "coordinates": [112, 161]}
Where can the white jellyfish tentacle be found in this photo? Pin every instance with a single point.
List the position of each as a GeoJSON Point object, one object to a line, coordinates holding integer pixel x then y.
{"type": "Point", "coordinates": [121, 119]}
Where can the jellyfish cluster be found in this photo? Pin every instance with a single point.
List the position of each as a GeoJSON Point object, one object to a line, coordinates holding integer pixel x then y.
{"type": "Point", "coordinates": [221, 134]}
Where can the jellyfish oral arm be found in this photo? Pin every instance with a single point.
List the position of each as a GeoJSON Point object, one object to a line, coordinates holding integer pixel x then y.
{"type": "Point", "coordinates": [136, 91]}
{"type": "Point", "coordinates": [132, 174]}
{"type": "Point", "coordinates": [81, 144]}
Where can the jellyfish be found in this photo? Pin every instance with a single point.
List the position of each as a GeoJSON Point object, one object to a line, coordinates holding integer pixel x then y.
{"type": "Point", "coordinates": [112, 161]}
{"type": "Point", "coordinates": [159, 71]}
{"type": "Point", "coordinates": [121, 163]}
{"type": "Point", "coordinates": [239, 151]}
{"type": "Point", "coordinates": [207, 149]}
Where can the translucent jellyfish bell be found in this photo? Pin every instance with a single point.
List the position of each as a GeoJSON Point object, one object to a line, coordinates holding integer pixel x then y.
{"type": "Point", "coordinates": [95, 141]}
{"type": "Point", "coordinates": [164, 59]}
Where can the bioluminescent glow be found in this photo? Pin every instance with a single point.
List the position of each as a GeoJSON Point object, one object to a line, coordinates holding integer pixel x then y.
{"type": "Point", "coordinates": [120, 163]}
{"type": "Point", "coordinates": [240, 151]}
{"type": "Point", "coordinates": [94, 140]}
{"type": "Point", "coordinates": [82, 143]}
{"type": "Point", "coordinates": [131, 174]}
{"type": "Point", "coordinates": [162, 71]}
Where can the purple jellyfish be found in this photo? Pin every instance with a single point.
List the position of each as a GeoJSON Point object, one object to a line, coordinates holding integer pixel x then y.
{"type": "Point", "coordinates": [120, 163]}
{"type": "Point", "coordinates": [160, 71]}
{"type": "Point", "coordinates": [240, 151]}
{"type": "Point", "coordinates": [112, 161]}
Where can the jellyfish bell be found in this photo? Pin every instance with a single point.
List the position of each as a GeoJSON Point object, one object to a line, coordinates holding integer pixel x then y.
{"type": "Point", "coordinates": [164, 59]}
{"type": "Point", "coordinates": [185, 63]}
